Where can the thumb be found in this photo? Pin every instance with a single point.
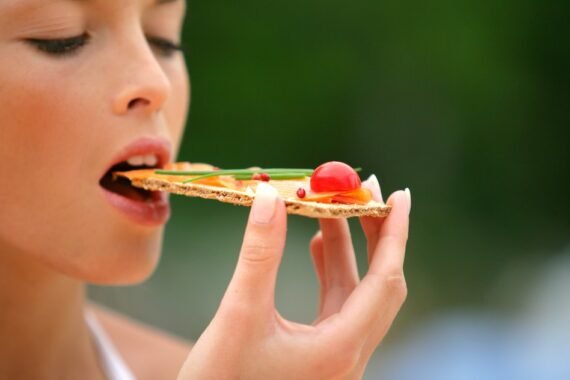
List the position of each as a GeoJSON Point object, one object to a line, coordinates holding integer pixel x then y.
{"type": "Point", "coordinates": [253, 284]}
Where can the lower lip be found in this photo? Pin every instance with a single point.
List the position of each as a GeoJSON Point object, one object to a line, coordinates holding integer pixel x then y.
{"type": "Point", "coordinates": [153, 213]}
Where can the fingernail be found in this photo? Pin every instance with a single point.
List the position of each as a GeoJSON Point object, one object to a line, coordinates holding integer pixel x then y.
{"type": "Point", "coordinates": [373, 185]}
{"type": "Point", "coordinates": [264, 204]}
{"type": "Point", "coordinates": [409, 195]}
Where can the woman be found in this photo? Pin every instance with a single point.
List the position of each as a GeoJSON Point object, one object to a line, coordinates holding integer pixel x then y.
{"type": "Point", "coordinates": [85, 86]}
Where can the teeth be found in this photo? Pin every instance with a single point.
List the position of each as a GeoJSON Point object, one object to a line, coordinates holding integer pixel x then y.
{"type": "Point", "coordinates": [136, 161]}
{"type": "Point", "coordinates": [146, 160]}
{"type": "Point", "coordinates": [150, 160]}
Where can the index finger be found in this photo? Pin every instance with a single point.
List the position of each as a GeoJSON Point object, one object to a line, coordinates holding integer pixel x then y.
{"type": "Point", "coordinates": [252, 287]}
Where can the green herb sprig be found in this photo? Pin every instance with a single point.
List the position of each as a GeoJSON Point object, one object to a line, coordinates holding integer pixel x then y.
{"type": "Point", "coordinates": [242, 174]}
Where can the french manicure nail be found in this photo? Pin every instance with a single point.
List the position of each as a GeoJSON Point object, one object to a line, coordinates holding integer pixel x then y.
{"type": "Point", "coordinates": [264, 204]}
{"type": "Point", "coordinates": [373, 185]}
{"type": "Point", "coordinates": [409, 195]}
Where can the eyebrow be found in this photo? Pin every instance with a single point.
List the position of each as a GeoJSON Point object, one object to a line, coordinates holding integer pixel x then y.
{"type": "Point", "coordinates": [158, 2]}
{"type": "Point", "coordinates": [17, 6]}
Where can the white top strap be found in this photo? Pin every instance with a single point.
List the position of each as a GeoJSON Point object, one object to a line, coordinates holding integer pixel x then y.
{"type": "Point", "coordinates": [111, 361]}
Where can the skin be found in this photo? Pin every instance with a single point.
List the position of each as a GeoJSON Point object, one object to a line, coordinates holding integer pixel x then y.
{"type": "Point", "coordinates": [63, 120]}
{"type": "Point", "coordinates": [249, 339]}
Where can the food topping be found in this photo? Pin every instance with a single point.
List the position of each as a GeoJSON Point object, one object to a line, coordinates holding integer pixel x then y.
{"type": "Point", "coordinates": [261, 177]}
{"type": "Point", "coordinates": [334, 176]}
{"type": "Point", "coordinates": [332, 182]}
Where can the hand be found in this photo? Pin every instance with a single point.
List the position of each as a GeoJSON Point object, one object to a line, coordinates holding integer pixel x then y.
{"type": "Point", "coordinates": [248, 339]}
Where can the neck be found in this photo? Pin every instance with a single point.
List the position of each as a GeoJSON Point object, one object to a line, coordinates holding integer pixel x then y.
{"type": "Point", "coordinates": [42, 328]}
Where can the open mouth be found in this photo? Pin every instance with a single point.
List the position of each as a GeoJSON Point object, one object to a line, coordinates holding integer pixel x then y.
{"type": "Point", "coordinates": [147, 208]}
{"type": "Point", "coordinates": [122, 186]}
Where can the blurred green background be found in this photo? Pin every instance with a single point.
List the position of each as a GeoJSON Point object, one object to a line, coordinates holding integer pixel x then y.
{"type": "Point", "coordinates": [465, 103]}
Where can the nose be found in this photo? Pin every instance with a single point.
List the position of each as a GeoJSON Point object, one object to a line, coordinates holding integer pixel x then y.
{"type": "Point", "coordinates": [145, 86]}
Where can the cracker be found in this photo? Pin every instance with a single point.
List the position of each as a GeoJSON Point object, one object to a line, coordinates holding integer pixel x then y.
{"type": "Point", "coordinates": [294, 205]}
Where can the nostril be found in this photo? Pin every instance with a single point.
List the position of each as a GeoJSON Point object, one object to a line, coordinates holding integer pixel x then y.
{"type": "Point", "coordinates": [138, 102]}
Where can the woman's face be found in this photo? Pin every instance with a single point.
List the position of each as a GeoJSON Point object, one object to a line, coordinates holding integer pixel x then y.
{"type": "Point", "coordinates": [86, 85]}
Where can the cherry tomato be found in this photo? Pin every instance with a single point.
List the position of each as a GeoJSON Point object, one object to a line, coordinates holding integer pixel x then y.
{"type": "Point", "coordinates": [334, 176]}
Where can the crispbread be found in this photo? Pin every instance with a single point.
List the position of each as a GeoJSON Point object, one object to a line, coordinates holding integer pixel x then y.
{"type": "Point", "coordinates": [296, 206]}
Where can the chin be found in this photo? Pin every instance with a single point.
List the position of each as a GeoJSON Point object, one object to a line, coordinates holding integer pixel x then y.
{"type": "Point", "coordinates": [123, 262]}
{"type": "Point", "coordinates": [134, 272]}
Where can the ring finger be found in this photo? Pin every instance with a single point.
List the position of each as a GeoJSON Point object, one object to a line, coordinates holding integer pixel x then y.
{"type": "Point", "coordinates": [339, 269]}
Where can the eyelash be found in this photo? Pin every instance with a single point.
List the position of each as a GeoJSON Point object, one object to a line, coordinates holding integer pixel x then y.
{"type": "Point", "coordinates": [165, 47]}
{"type": "Point", "coordinates": [61, 46]}
{"type": "Point", "coordinates": [68, 46]}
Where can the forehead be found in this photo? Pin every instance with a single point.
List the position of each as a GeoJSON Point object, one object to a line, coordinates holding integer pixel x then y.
{"type": "Point", "coordinates": [7, 5]}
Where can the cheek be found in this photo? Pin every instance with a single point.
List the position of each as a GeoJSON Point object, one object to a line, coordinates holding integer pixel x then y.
{"type": "Point", "coordinates": [43, 126]}
{"type": "Point", "coordinates": [51, 205]}
{"type": "Point", "coordinates": [40, 137]}
{"type": "Point", "coordinates": [39, 142]}
{"type": "Point", "coordinates": [176, 109]}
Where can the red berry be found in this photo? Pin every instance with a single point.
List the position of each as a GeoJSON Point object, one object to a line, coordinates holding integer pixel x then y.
{"type": "Point", "coordinates": [301, 193]}
{"type": "Point", "coordinates": [334, 176]}
{"type": "Point", "coordinates": [261, 177]}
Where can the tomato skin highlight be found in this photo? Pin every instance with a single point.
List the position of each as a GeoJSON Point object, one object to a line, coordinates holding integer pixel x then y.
{"type": "Point", "coordinates": [334, 176]}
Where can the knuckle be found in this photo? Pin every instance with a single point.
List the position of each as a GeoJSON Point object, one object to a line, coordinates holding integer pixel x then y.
{"type": "Point", "coordinates": [339, 354]}
{"type": "Point", "coordinates": [318, 237]}
{"type": "Point", "coordinates": [344, 358]}
{"type": "Point", "coordinates": [398, 287]}
{"type": "Point", "coordinates": [394, 283]}
{"type": "Point", "coordinates": [258, 254]}
{"type": "Point", "coordinates": [316, 248]}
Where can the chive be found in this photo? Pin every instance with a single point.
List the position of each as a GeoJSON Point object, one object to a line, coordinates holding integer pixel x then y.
{"type": "Point", "coordinates": [178, 172]}
{"type": "Point", "coordinates": [246, 174]}
{"type": "Point", "coordinates": [231, 171]}
{"type": "Point", "coordinates": [242, 174]}
{"type": "Point", "coordinates": [217, 173]}
{"type": "Point", "coordinates": [276, 176]}
{"type": "Point", "coordinates": [288, 175]}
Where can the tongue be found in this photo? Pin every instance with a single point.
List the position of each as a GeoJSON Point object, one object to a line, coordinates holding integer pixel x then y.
{"type": "Point", "coordinates": [128, 191]}
{"type": "Point", "coordinates": [123, 187]}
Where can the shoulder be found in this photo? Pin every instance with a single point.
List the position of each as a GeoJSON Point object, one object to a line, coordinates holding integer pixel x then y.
{"type": "Point", "coordinates": [149, 352]}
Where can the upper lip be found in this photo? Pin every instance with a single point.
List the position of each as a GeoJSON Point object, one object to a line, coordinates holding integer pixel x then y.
{"type": "Point", "coordinates": [160, 147]}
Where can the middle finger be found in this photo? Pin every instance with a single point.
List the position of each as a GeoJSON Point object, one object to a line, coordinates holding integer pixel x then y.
{"type": "Point", "coordinates": [339, 264]}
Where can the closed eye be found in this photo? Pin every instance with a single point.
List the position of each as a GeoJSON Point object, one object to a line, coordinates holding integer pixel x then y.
{"type": "Point", "coordinates": [163, 46]}
{"type": "Point", "coordinates": [60, 46]}
{"type": "Point", "coordinates": [67, 46]}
